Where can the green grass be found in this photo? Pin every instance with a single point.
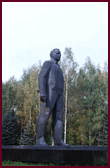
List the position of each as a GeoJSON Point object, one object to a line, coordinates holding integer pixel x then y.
{"type": "Point", "coordinates": [17, 163]}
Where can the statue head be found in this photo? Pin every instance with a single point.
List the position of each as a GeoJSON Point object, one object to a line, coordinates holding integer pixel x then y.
{"type": "Point", "coordinates": [56, 54]}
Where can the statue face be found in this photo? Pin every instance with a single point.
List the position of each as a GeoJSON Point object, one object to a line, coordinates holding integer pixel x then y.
{"type": "Point", "coordinates": [56, 54]}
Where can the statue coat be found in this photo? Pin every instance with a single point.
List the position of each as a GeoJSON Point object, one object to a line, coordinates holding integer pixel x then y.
{"type": "Point", "coordinates": [51, 82]}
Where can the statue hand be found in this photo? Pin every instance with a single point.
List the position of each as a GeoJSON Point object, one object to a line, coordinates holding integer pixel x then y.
{"type": "Point", "coordinates": [43, 98]}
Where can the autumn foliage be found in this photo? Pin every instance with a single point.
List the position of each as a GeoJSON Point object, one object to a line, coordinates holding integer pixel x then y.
{"type": "Point", "coordinates": [85, 102]}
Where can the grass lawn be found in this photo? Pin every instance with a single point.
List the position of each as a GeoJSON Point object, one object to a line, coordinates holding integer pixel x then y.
{"type": "Point", "coordinates": [15, 163]}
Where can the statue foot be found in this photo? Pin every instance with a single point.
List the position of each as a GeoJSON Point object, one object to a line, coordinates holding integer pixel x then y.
{"type": "Point", "coordinates": [41, 142]}
{"type": "Point", "coordinates": [62, 144]}
{"type": "Point", "coordinates": [42, 145]}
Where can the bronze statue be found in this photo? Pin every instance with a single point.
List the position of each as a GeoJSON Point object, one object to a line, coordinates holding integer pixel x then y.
{"type": "Point", "coordinates": [51, 84]}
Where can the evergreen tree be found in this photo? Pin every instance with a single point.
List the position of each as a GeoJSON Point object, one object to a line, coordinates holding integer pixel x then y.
{"type": "Point", "coordinates": [103, 133]}
{"type": "Point", "coordinates": [9, 90]}
{"type": "Point", "coordinates": [27, 137]}
{"type": "Point", "coordinates": [10, 129]}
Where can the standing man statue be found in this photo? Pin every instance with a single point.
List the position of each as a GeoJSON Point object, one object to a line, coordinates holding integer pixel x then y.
{"type": "Point", "coordinates": [51, 84]}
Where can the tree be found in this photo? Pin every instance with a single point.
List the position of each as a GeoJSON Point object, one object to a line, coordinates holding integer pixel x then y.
{"type": "Point", "coordinates": [93, 89]}
{"type": "Point", "coordinates": [102, 134]}
{"type": "Point", "coordinates": [29, 105]}
{"type": "Point", "coordinates": [9, 95]}
{"type": "Point", "coordinates": [10, 129]}
{"type": "Point", "coordinates": [79, 112]}
{"type": "Point", "coordinates": [69, 67]}
{"type": "Point", "coordinates": [27, 137]}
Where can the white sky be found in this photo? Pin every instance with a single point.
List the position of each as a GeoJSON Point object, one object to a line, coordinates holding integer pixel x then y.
{"type": "Point", "coordinates": [30, 30]}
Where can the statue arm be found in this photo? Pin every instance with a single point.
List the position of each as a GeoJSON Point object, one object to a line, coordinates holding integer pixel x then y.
{"type": "Point", "coordinates": [42, 80]}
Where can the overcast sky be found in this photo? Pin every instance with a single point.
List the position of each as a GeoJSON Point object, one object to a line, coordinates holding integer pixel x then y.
{"type": "Point", "coordinates": [30, 30]}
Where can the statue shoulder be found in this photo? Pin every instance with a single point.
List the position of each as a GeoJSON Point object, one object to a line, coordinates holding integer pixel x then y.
{"type": "Point", "coordinates": [47, 64]}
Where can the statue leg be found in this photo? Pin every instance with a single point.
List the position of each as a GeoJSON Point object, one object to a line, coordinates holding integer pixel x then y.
{"type": "Point", "coordinates": [43, 118]}
{"type": "Point", "coordinates": [41, 125]}
{"type": "Point", "coordinates": [57, 122]}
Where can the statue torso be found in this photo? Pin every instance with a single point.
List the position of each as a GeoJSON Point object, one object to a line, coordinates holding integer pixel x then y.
{"type": "Point", "coordinates": [56, 80]}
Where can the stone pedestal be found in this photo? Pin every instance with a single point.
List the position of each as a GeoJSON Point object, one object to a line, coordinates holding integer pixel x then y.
{"type": "Point", "coordinates": [77, 155]}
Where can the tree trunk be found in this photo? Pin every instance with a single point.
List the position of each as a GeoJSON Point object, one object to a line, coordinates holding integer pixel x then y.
{"type": "Point", "coordinates": [30, 118]}
{"type": "Point", "coordinates": [89, 136]}
{"type": "Point", "coordinates": [90, 131]}
{"type": "Point", "coordinates": [82, 137]}
{"type": "Point", "coordinates": [66, 109]}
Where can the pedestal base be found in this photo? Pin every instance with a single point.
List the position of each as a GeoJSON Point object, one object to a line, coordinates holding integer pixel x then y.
{"type": "Point", "coordinates": [76, 155]}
